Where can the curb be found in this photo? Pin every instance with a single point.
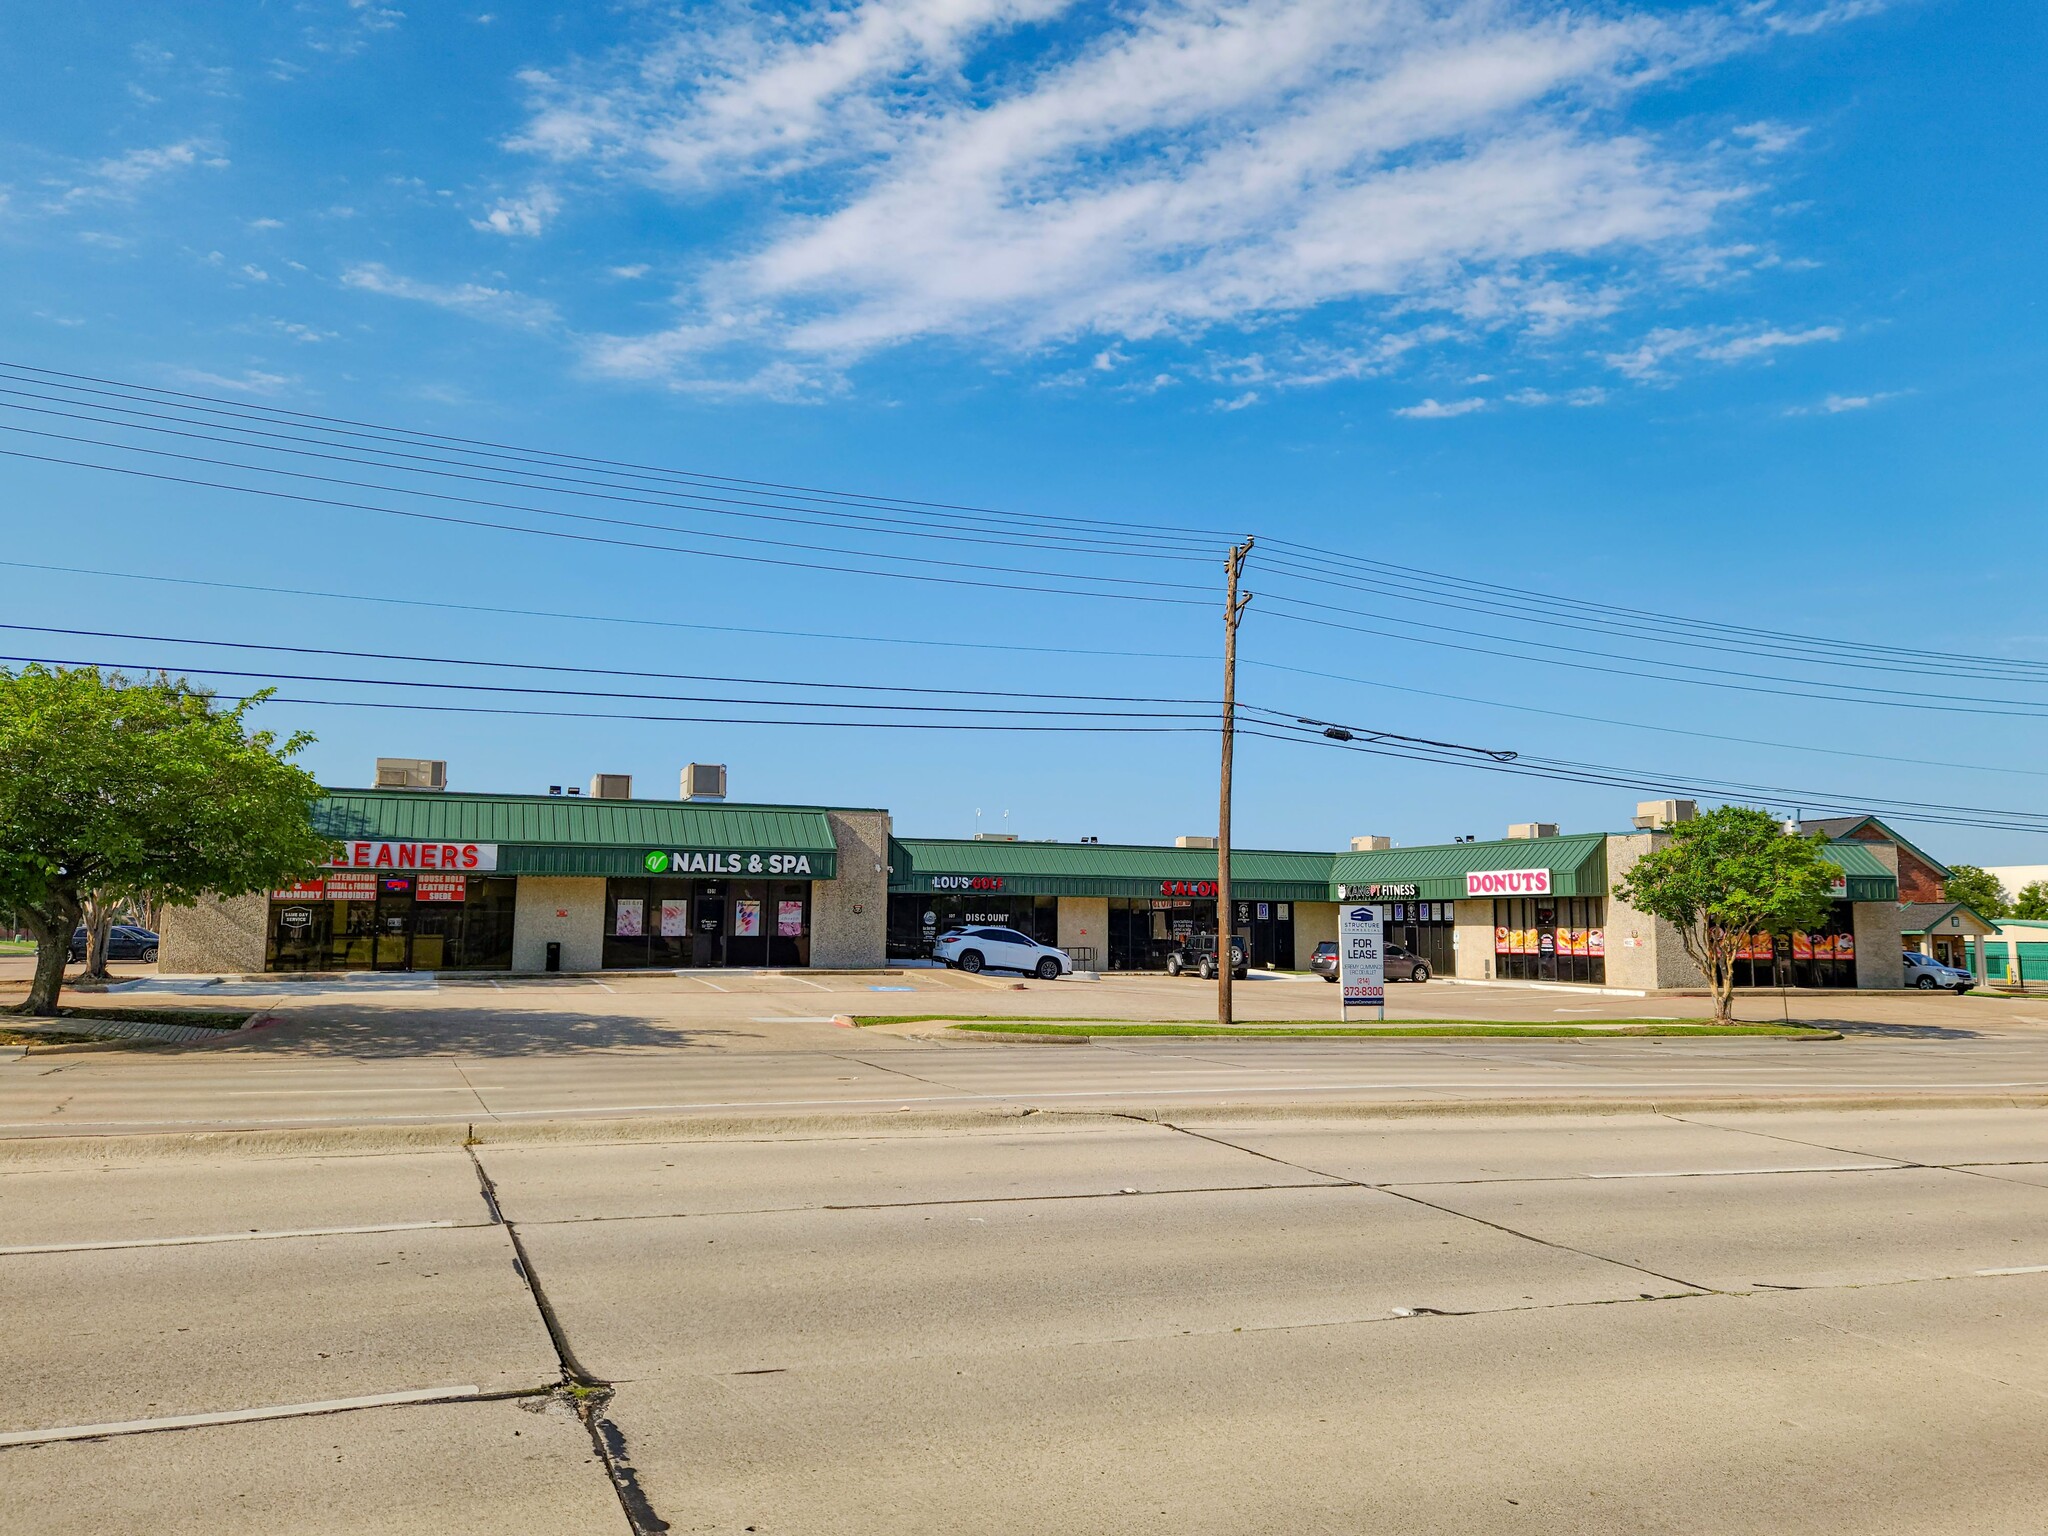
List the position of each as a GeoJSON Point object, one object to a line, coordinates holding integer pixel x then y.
{"type": "Point", "coordinates": [357, 1141]}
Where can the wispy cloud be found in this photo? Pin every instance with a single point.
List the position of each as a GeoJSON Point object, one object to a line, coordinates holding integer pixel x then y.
{"type": "Point", "coordinates": [476, 299]}
{"type": "Point", "coordinates": [1152, 173]}
{"type": "Point", "coordinates": [1835, 405]}
{"type": "Point", "coordinates": [1768, 138]}
{"type": "Point", "coordinates": [250, 381]}
{"type": "Point", "coordinates": [1649, 358]}
{"type": "Point", "coordinates": [123, 176]}
{"type": "Point", "coordinates": [1439, 410]}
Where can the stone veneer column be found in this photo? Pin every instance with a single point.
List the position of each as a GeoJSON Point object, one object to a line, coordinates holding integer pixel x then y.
{"type": "Point", "coordinates": [1315, 922]}
{"type": "Point", "coordinates": [566, 908]}
{"type": "Point", "coordinates": [215, 935]}
{"type": "Point", "coordinates": [1084, 922]}
{"type": "Point", "coordinates": [1472, 938]}
{"type": "Point", "coordinates": [850, 913]}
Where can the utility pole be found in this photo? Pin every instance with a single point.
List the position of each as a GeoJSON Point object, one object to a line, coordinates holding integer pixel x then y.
{"type": "Point", "coordinates": [1233, 609]}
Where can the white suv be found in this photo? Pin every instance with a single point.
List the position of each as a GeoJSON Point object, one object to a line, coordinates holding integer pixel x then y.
{"type": "Point", "coordinates": [1927, 973]}
{"type": "Point", "coordinates": [1004, 949]}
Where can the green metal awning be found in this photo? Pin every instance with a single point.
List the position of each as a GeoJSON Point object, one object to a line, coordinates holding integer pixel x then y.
{"type": "Point", "coordinates": [563, 835]}
{"type": "Point", "coordinates": [1097, 869]}
{"type": "Point", "coordinates": [1577, 866]}
{"type": "Point", "coordinates": [1868, 878]}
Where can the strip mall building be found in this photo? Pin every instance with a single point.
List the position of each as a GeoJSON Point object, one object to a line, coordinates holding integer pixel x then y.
{"type": "Point", "coordinates": [440, 881]}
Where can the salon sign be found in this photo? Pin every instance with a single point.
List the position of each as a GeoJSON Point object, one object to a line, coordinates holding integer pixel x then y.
{"type": "Point", "coordinates": [723, 861]}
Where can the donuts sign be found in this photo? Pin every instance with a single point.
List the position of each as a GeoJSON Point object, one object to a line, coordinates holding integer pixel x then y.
{"type": "Point", "coordinates": [1507, 882]}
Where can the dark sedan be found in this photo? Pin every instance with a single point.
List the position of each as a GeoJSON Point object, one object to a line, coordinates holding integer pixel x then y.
{"type": "Point", "coordinates": [124, 942]}
{"type": "Point", "coordinates": [1401, 965]}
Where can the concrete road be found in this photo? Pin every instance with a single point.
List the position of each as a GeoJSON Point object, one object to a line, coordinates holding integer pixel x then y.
{"type": "Point", "coordinates": [855, 1072]}
{"type": "Point", "coordinates": [1749, 1321]}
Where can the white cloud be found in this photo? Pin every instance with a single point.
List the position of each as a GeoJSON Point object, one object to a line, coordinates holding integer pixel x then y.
{"type": "Point", "coordinates": [266, 224]}
{"type": "Point", "coordinates": [251, 381]}
{"type": "Point", "coordinates": [527, 215]}
{"type": "Point", "coordinates": [1768, 138]}
{"type": "Point", "coordinates": [254, 273]}
{"type": "Point", "coordinates": [1249, 398]}
{"type": "Point", "coordinates": [1714, 344]}
{"type": "Point", "coordinates": [1590, 395]}
{"type": "Point", "coordinates": [1835, 405]}
{"type": "Point", "coordinates": [475, 299]}
{"type": "Point", "coordinates": [631, 274]}
{"type": "Point", "coordinates": [1438, 410]}
{"type": "Point", "coordinates": [124, 175]}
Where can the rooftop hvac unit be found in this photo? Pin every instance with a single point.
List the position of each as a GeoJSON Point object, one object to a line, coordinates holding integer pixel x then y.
{"type": "Point", "coordinates": [995, 837]}
{"type": "Point", "coordinates": [703, 781]}
{"type": "Point", "coordinates": [1652, 814]}
{"type": "Point", "coordinates": [611, 786]}
{"type": "Point", "coordinates": [1533, 829]}
{"type": "Point", "coordinates": [1194, 842]}
{"type": "Point", "coordinates": [1372, 842]}
{"type": "Point", "coordinates": [411, 773]}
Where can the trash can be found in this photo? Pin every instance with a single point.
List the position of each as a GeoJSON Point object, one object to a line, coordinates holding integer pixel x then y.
{"type": "Point", "coordinates": [554, 954]}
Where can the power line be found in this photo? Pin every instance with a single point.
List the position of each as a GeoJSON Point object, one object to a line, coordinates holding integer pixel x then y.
{"type": "Point", "coordinates": [760, 511]}
{"type": "Point", "coordinates": [577, 517]}
{"type": "Point", "coordinates": [836, 725]}
{"type": "Point", "coordinates": [247, 409]}
{"type": "Point", "coordinates": [587, 538]}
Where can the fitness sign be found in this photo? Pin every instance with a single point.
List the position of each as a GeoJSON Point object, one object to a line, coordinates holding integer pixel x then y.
{"type": "Point", "coordinates": [723, 861]}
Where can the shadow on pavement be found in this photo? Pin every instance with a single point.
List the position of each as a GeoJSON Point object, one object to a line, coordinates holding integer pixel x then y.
{"type": "Point", "coordinates": [339, 1030]}
{"type": "Point", "coordinates": [1897, 1031]}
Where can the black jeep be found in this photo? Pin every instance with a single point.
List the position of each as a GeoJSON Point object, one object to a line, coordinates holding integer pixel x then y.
{"type": "Point", "coordinates": [1198, 954]}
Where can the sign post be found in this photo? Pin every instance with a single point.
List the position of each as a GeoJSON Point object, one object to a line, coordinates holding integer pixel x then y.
{"type": "Point", "coordinates": [1361, 960]}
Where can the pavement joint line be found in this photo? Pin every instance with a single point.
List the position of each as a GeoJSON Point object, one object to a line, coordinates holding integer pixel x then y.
{"type": "Point", "coordinates": [223, 1237]}
{"type": "Point", "coordinates": [1892, 1166]}
{"type": "Point", "coordinates": [2017, 1269]}
{"type": "Point", "coordinates": [238, 1416]}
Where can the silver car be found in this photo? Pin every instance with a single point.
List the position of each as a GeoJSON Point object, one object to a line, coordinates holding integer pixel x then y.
{"type": "Point", "coordinates": [1928, 973]}
{"type": "Point", "coordinates": [1000, 949]}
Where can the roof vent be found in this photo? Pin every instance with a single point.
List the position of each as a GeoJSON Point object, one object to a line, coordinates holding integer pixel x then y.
{"type": "Point", "coordinates": [1372, 842]}
{"type": "Point", "coordinates": [1652, 814]}
{"type": "Point", "coordinates": [412, 773]}
{"type": "Point", "coordinates": [611, 786]}
{"type": "Point", "coordinates": [1194, 842]}
{"type": "Point", "coordinates": [995, 837]}
{"type": "Point", "coordinates": [1533, 829]}
{"type": "Point", "coordinates": [703, 781]}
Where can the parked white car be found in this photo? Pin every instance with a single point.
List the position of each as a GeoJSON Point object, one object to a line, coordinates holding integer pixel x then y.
{"type": "Point", "coordinates": [1000, 949]}
{"type": "Point", "coordinates": [1927, 973]}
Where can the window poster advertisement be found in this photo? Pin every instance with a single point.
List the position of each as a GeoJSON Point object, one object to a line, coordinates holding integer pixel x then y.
{"type": "Point", "coordinates": [1845, 946]}
{"type": "Point", "coordinates": [626, 919]}
{"type": "Point", "coordinates": [1802, 946]}
{"type": "Point", "coordinates": [675, 919]}
{"type": "Point", "coordinates": [1596, 943]}
{"type": "Point", "coordinates": [789, 919]}
{"type": "Point", "coordinates": [746, 920]}
{"type": "Point", "coordinates": [1501, 942]}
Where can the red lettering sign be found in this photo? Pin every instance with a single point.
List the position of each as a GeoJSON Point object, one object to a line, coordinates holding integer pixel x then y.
{"type": "Point", "coordinates": [1187, 887]}
{"type": "Point", "coordinates": [396, 855]}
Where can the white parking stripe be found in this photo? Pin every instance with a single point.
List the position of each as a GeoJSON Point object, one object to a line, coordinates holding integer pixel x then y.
{"type": "Point", "coordinates": [2018, 1269]}
{"type": "Point", "coordinates": [236, 1416]}
{"type": "Point", "coordinates": [223, 1237]}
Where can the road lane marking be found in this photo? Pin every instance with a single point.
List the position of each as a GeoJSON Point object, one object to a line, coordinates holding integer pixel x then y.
{"type": "Point", "coordinates": [1723, 1173]}
{"type": "Point", "coordinates": [2018, 1269]}
{"type": "Point", "coordinates": [714, 986]}
{"type": "Point", "coordinates": [237, 1415]}
{"type": "Point", "coordinates": [223, 1237]}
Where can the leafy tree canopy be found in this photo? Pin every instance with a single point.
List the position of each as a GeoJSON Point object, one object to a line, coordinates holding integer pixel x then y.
{"type": "Point", "coordinates": [2032, 902]}
{"type": "Point", "coordinates": [1978, 888]}
{"type": "Point", "coordinates": [130, 787]}
{"type": "Point", "coordinates": [1725, 875]}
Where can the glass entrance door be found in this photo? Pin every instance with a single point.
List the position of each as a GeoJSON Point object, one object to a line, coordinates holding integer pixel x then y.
{"type": "Point", "coordinates": [707, 941]}
{"type": "Point", "coordinates": [394, 924]}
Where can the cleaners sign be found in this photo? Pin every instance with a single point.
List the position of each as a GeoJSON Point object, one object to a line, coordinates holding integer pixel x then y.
{"type": "Point", "coordinates": [709, 861]}
{"type": "Point", "coordinates": [1507, 882]}
{"type": "Point", "coordinates": [454, 857]}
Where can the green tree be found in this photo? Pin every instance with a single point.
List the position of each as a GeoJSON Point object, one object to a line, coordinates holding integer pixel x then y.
{"type": "Point", "coordinates": [1723, 876]}
{"type": "Point", "coordinates": [1979, 888]}
{"type": "Point", "coordinates": [2032, 902]}
{"type": "Point", "coordinates": [126, 788]}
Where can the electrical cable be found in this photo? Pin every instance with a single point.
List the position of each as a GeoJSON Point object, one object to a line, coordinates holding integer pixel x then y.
{"type": "Point", "coordinates": [588, 538]}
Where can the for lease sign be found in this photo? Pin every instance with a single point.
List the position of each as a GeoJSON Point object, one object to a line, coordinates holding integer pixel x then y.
{"type": "Point", "coordinates": [1507, 882]}
{"type": "Point", "coordinates": [1361, 960]}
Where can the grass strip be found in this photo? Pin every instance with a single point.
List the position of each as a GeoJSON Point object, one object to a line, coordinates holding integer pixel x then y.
{"type": "Point", "coordinates": [869, 1020]}
{"type": "Point", "coordinates": [1287, 1031]}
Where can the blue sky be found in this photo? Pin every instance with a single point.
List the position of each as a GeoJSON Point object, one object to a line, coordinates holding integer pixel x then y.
{"type": "Point", "coordinates": [1728, 311]}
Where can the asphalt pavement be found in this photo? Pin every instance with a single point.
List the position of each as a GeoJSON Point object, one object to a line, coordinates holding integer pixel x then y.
{"type": "Point", "coordinates": [1811, 1321]}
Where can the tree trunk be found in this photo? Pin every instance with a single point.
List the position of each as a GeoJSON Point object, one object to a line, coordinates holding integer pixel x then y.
{"type": "Point", "coordinates": [99, 928]}
{"type": "Point", "coordinates": [52, 928]}
{"type": "Point", "coordinates": [1724, 990]}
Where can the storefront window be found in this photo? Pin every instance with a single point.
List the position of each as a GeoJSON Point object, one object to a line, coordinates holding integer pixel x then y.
{"type": "Point", "coordinates": [1143, 932]}
{"type": "Point", "coordinates": [1826, 958]}
{"type": "Point", "coordinates": [916, 920]}
{"type": "Point", "coordinates": [1545, 938]}
{"type": "Point", "coordinates": [1424, 929]}
{"type": "Point", "coordinates": [1267, 929]}
{"type": "Point", "coordinates": [700, 923]}
{"type": "Point", "coordinates": [358, 921]}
